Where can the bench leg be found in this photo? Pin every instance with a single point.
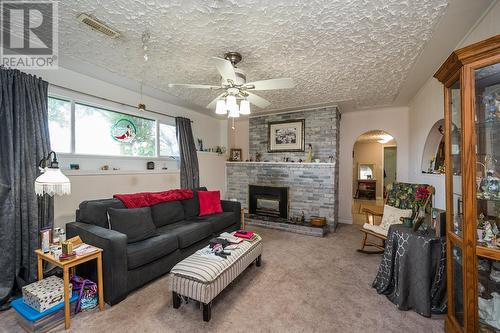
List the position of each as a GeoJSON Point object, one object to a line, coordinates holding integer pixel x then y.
{"type": "Point", "coordinates": [176, 300]}
{"type": "Point", "coordinates": [258, 261]}
{"type": "Point", "coordinates": [207, 311]}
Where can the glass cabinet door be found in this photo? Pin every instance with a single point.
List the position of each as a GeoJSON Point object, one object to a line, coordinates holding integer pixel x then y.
{"type": "Point", "coordinates": [455, 128]}
{"type": "Point", "coordinates": [455, 206]}
{"type": "Point", "coordinates": [487, 120]}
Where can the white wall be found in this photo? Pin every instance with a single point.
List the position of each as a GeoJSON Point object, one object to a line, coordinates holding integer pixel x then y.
{"type": "Point", "coordinates": [239, 136]}
{"type": "Point", "coordinates": [84, 187]}
{"type": "Point", "coordinates": [213, 171]}
{"type": "Point", "coordinates": [488, 26]}
{"type": "Point", "coordinates": [426, 108]}
{"type": "Point", "coordinates": [352, 124]}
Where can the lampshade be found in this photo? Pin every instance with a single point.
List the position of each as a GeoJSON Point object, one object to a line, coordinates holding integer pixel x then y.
{"type": "Point", "coordinates": [52, 181]}
{"type": "Point", "coordinates": [234, 112]}
{"type": "Point", "coordinates": [221, 107]}
{"type": "Point", "coordinates": [231, 102]}
{"type": "Point", "coordinates": [245, 107]}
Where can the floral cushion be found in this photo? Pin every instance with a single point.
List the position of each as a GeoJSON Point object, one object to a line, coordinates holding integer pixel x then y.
{"type": "Point", "coordinates": [404, 196]}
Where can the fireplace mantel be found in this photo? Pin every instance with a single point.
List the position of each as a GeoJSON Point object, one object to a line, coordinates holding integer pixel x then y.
{"type": "Point", "coordinates": [292, 164]}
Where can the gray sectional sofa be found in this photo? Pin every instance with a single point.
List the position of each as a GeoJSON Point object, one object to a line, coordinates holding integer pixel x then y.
{"type": "Point", "coordinates": [179, 233]}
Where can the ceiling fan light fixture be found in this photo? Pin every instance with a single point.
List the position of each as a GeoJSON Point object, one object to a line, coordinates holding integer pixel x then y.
{"type": "Point", "coordinates": [221, 107]}
{"type": "Point", "coordinates": [244, 107]}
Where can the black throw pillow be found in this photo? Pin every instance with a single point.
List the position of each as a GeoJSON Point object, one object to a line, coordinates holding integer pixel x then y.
{"type": "Point", "coordinates": [192, 206]}
{"type": "Point", "coordinates": [136, 223]}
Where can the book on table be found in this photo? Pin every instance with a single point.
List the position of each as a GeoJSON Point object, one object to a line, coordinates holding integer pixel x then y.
{"type": "Point", "coordinates": [243, 234]}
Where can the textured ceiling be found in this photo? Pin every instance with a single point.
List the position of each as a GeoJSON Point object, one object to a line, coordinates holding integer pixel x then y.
{"type": "Point", "coordinates": [335, 50]}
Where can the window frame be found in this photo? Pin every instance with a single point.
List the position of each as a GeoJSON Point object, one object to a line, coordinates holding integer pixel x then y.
{"type": "Point", "coordinates": [72, 153]}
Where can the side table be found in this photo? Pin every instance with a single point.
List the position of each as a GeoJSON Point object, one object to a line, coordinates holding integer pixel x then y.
{"type": "Point", "coordinates": [412, 273]}
{"type": "Point", "coordinates": [66, 265]}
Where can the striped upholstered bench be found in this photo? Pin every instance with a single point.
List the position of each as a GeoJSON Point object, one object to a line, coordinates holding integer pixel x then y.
{"type": "Point", "coordinates": [201, 278]}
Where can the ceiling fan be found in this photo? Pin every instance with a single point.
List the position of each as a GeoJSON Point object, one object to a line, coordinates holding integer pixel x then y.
{"type": "Point", "coordinates": [235, 87]}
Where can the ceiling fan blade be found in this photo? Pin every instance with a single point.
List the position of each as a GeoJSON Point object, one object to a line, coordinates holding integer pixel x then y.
{"type": "Point", "coordinates": [284, 83]}
{"type": "Point", "coordinates": [213, 103]}
{"type": "Point", "coordinates": [257, 100]}
{"type": "Point", "coordinates": [225, 68]}
{"type": "Point", "coordinates": [194, 86]}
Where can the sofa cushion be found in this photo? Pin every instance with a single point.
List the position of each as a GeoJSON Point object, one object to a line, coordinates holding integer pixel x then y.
{"type": "Point", "coordinates": [148, 250]}
{"type": "Point", "coordinates": [167, 213]}
{"type": "Point", "coordinates": [187, 232]}
{"type": "Point", "coordinates": [192, 206]}
{"type": "Point", "coordinates": [220, 221]}
{"type": "Point", "coordinates": [95, 211]}
{"type": "Point", "coordinates": [136, 223]}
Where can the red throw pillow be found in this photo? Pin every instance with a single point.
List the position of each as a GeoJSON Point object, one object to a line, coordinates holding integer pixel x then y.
{"type": "Point", "coordinates": [209, 202]}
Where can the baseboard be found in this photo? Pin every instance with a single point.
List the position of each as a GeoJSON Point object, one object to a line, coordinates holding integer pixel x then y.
{"type": "Point", "coordinates": [345, 221]}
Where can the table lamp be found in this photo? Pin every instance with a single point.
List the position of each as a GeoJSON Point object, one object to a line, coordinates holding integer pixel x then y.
{"type": "Point", "coordinates": [52, 181]}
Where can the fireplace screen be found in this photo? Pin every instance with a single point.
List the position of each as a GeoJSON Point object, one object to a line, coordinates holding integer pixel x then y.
{"type": "Point", "coordinates": [268, 201]}
{"type": "Point", "coordinates": [268, 205]}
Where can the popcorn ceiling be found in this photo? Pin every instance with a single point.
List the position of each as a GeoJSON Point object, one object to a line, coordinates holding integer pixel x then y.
{"type": "Point", "coordinates": [335, 50]}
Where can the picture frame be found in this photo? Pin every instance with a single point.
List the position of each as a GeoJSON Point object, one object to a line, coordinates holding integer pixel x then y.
{"type": "Point", "coordinates": [235, 155]}
{"type": "Point", "coordinates": [286, 136]}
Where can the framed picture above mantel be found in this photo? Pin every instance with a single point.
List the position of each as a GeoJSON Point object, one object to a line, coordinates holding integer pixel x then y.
{"type": "Point", "coordinates": [286, 136]}
{"type": "Point", "coordinates": [235, 155]}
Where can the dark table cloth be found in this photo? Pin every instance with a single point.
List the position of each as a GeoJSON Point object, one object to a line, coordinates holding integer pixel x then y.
{"type": "Point", "coordinates": [412, 273]}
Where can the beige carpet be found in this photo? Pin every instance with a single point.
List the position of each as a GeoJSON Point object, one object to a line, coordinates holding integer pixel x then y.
{"type": "Point", "coordinates": [306, 284]}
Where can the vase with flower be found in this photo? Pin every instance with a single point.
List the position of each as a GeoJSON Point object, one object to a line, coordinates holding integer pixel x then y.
{"type": "Point", "coordinates": [421, 198]}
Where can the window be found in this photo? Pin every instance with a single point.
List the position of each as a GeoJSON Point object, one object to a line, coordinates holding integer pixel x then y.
{"type": "Point", "coordinates": [60, 125]}
{"type": "Point", "coordinates": [103, 132]}
{"type": "Point", "coordinates": [168, 141]}
{"type": "Point", "coordinates": [90, 130]}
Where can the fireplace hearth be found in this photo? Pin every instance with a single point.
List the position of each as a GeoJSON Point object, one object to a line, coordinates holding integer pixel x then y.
{"type": "Point", "coordinates": [268, 201]}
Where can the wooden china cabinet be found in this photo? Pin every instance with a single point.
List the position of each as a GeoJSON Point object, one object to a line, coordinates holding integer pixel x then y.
{"type": "Point", "coordinates": [471, 79]}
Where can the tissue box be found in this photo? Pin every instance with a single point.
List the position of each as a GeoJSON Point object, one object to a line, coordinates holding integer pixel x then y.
{"type": "Point", "coordinates": [45, 293]}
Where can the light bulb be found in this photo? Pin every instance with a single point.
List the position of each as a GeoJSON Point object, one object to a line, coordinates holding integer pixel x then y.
{"type": "Point", "coordinates": [245, 107]}
{"type": "Point", "coordinates": [234, 111]}
{"type": "Point", "coordinates": [231, 102]}
{"type": "Point", "coordinates": [221, 107]}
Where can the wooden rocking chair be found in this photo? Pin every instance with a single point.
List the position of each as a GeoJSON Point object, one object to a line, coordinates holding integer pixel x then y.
{"type": "Point", "coordinates": [399, 195]}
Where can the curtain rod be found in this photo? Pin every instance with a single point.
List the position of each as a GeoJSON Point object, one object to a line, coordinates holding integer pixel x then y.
{"type": "Point", "coordinates": [113, 101]}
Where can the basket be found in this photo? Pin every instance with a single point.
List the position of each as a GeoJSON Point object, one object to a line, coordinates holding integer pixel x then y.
{"type": "Point", "coordinates": [318, 221]}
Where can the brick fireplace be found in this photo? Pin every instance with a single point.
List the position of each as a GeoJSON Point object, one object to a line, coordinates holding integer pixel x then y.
{"type": "Point", "coordinates": [273, 191]}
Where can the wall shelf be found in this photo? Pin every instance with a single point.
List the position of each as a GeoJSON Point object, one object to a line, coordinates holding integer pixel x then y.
{"type": "Point", "coordinates": [72, 173]}
{"type": "Point", "coordinates": [284, 163]}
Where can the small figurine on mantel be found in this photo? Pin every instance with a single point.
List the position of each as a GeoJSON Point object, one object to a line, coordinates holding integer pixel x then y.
{"type": "Point", "coordinates": [309, 157]}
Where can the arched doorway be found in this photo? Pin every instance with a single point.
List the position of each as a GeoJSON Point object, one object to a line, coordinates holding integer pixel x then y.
{"type": "Point", "coordinates": [374, 168]}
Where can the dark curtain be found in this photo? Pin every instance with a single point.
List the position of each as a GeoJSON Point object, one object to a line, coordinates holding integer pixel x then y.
{"type": "Point", "coordinates": [190, 176]}
{"type": "Point", "coordinates": [24, 141]}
